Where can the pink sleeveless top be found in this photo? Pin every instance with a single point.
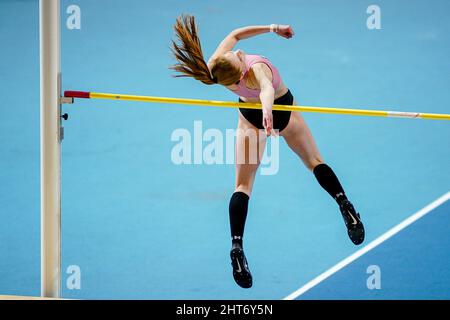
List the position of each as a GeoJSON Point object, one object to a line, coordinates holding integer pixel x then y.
{"type": "Point", "coordinates": [250, 60]}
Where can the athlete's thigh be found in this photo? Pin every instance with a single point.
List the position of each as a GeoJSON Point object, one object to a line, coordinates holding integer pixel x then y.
{"type": "Point", "coordinates": [250, 144]}
{"type": "Point", "coordinates": [299, 138]}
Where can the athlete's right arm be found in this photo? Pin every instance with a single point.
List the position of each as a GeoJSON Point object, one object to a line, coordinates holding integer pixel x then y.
{"type": "Point", "coordinates": [234, 36]}
{"type": "Point", "coordinates": [230, 40]}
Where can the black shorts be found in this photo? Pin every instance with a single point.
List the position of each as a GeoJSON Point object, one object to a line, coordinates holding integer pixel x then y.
{"type": "Point", "coordinates": [280, 118]}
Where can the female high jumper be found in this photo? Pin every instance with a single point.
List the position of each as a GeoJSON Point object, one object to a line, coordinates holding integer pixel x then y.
{"type": "Point", "coordinates": [255, 79]}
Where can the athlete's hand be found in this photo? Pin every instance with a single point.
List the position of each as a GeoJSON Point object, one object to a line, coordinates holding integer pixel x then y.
{"type": "Point", "coordinates": [285, 31]}
{"type": "Point", "coordinates": [268, 121]}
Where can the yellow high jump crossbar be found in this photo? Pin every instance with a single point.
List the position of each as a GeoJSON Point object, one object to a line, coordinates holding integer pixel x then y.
{"type": "Point", "coordinates": [228, 104]}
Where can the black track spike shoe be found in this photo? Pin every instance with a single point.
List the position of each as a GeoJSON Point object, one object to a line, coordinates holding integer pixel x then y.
{"type": "Point", "coordinates": [355, 227]}
{"type": "Point", "coordinates": [241, 272]}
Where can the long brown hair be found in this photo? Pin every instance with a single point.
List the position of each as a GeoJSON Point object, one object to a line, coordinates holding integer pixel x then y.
{"type": "Point", "coordinates": [190, 57]}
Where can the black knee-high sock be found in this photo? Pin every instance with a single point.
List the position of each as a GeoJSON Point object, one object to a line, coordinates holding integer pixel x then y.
{"type": "Point", "coordinates": [238, 215]}
{"type": "Point", "coordinates": [328, 180]}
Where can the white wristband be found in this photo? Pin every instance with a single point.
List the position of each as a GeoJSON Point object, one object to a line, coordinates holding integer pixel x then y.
{"type": "Point", "coordinates": [273, 27]}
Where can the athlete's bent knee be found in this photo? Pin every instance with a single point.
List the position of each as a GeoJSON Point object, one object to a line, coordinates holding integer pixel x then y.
{"type": "Point", "coordinates": [312, 163]}
{"type": "Point", "coordinates": [245, 188]}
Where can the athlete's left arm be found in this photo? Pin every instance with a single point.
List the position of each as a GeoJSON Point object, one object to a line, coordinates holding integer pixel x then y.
{"type": "Point", "coordinates": [263, 76]}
